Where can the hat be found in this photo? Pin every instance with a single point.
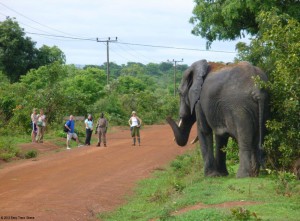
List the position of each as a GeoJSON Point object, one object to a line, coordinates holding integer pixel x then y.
{"type": "Point", "coordinates": [133, 112]}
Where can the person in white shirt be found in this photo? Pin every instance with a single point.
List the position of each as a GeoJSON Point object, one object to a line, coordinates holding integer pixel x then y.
{"type": "Point", "coordinates": [34, 118]}
{"type": "Point", "coordinates": [88, 129]}
{"type": "Point", "coordinates": [135, 124]}
{"type": "Point", "coordinates": [41, 123]}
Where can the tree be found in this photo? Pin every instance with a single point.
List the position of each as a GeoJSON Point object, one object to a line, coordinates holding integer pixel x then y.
{"type": "Point", "coordinates": [277, 51]}
{"type": "Point", "coordinates": [231, 19]}
{"type": "Point", "coordinates": [17, 52]}
{"type": "Point", "coordinates": [47, 55]}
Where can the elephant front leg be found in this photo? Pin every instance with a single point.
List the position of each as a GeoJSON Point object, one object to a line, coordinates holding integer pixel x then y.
{"type": "Point", "coordinates": [221, 143]}
{"type": "Point", "coordinates": [206, 143]}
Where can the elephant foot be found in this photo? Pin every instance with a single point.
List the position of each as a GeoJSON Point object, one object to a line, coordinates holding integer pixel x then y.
{"type": "Point", "coordinates": [242, 174]}
{"type": "Point", "coordinates": [214, 174]}
{"type": "Point", "coordinates": [222, 171]}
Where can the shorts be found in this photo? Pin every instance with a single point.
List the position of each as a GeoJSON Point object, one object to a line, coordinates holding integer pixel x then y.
{"type": "Point", "coordinates": [34, 127]}
{"type": "Point", "coordinates": [71, 135]}
{"type": "Point", "coordinates": [135, 131]}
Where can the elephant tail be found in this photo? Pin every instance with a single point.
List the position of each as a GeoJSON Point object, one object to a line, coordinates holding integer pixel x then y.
{"type": "Point", "coordinates": [261, 116]}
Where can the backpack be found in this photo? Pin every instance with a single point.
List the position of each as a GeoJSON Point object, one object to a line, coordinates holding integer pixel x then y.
{"type": "Point", "coordinates": [66, 129]}
{"type": "Point", "coordinates": [102, 122]}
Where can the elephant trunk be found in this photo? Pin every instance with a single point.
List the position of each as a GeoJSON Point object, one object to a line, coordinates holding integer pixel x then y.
{"type": "Point", "coordinates": [182, 132]}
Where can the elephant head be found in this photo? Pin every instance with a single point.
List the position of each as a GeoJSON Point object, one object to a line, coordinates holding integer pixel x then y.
{"type": "Point", "coordinates": [189, 90]}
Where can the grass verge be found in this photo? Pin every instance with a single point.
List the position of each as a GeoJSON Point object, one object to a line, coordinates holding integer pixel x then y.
{"type": "Point", "coordinates": [274, 197]}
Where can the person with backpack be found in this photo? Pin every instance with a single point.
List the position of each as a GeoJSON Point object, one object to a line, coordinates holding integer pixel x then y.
{"type": "Point", "coordinates": [41, 124]}
{"type": "Point", "coordinates": [135, 124]}
{"type": "Point", "coordinates": [70, 127]}
{"type": "Point", "coordinates": [101, 129]}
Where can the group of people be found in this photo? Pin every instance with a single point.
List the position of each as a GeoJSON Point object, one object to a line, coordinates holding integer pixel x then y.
{"type": "Point", "coordinates": [39, 125]}
{"type": "Point", "coordinates": [101, 129]}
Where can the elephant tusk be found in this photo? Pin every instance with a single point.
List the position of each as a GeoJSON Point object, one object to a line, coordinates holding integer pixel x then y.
{"type": "Point", "coordinates": [179, 124]}
{"type": "Point", "coordinates": [195, 140]}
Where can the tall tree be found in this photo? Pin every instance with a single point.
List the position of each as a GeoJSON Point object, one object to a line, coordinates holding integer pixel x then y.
{"type": "Point", "coordinates": [17, 52]}
{"type": "Point", "coordinates": [231, 19]}
{"type": "Point", "coordinates": [47, 55]}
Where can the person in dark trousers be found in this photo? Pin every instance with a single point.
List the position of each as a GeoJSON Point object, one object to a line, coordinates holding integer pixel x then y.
{"type": "Point", "coordinates": [88, 129]}
{"type": "Point", "coordinates": [101, 129]}
{"type": "Point", "coordinates": [135, 124]}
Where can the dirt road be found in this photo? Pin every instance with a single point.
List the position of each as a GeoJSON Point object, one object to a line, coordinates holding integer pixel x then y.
{"type": "Point", "coordinates": [77, 184]}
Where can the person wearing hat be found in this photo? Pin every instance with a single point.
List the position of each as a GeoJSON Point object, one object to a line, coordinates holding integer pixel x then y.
{"type": "Point", "coordinates": [101, 129]}
{"type": "Point", "coordinates": [135, 124]}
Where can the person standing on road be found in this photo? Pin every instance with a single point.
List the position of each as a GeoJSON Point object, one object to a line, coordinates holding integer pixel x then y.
{"type": "Point", "coordinates": [70, 125]}
{"type": "Point", "coordinates": [34, 118]}
{"type": "Point", "coordinates": [135, 124]}
{"type": "Point", "coordinates": [88, 129]}
{"type": "Point", "coordinates": [101, 129]}
{"type": "Point", "coordinates": [41, 124]}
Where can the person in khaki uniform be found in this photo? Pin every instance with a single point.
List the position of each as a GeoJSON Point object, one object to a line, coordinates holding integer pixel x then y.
{"type": "Point", "coordinates": [101, 129]}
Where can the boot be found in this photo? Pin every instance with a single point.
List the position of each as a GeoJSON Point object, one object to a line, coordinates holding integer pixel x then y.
{"type": "Point", "coordinates": [98, 144]}
{"type": "Point", "coordinates": [139, 141]}
{"type": "Point", "coordinates": [105, 144]}
{"type": "Point", "coordinates": [134, 139]}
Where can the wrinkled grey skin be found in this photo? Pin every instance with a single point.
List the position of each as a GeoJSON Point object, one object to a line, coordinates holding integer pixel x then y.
{"type": "Point", "coordinates": [230, 105]}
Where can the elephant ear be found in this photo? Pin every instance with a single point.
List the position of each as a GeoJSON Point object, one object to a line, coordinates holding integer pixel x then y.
{"type": "Point", "coordinates": [198, 70]}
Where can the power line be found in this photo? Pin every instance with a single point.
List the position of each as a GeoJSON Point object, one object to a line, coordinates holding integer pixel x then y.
{"type": "Point", "coordinates": [170, 47]}
{"type": "Point", "coordinates": [61, 36]}
{"type": "Point", "coordinates": [134, 44]}
{"type": "Point", "coordinates": [127, 51]}
{"type": "Point", "coordinates": [46, 26]}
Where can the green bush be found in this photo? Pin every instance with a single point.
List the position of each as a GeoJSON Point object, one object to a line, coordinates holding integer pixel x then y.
{"type": "Point", "coordinates": [277, 52]}
{"type": "Point", "coordinates": [31, 154]}
{"type": "Point", "coordinates": [8, 149]}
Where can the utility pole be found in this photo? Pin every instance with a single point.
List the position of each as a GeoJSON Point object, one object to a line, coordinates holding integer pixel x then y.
{"type": "Point", "coordinates": [107, 54]}
{"type": "Point", "coordinates": [175, 62]}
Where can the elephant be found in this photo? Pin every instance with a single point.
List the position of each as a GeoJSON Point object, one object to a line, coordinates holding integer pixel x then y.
{"type": "Point", "coordinates": [224, 102]}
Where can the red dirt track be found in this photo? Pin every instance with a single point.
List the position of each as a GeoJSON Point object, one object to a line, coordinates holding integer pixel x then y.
{"type": "Point", "coordinates": [77, 184]}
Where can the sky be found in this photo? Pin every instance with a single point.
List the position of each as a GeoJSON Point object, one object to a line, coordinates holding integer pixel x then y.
{"type": "Point", "coordinates": [151, 31]}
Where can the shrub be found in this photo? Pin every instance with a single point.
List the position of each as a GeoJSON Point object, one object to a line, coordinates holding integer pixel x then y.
{"type": "Point", "coordinates": [31, 154]}
{"type": "Point", "coordinates": [8, 149]}
{"type": "Point", "coordinates": [276, 51]}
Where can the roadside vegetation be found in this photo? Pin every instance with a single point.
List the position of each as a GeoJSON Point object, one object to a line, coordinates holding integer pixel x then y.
{"type": "Point", "coordinates": [273, 195]}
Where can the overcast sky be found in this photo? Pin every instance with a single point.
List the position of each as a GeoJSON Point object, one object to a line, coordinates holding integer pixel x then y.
{"type": "Point", "coordinates": [152, 22]}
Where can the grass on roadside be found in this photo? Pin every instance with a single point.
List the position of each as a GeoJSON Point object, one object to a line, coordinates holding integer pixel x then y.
{"type": "Point", "coordinates": [182, 184]}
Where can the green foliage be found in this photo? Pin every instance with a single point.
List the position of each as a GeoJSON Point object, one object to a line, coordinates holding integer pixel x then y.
{"type": "Point", "coordinates": [168, 191]}
{"type": "Point", "coordinates": [285, 182]}
{"type": "Point", "coordinates": [232, 152]}
{"type": "Point", "coordinates": [231, 19]}
{"type": "Point", "coordinates": [8, 148]}
{"type": "Point", "coordinates": [240, 213]}
{"type": "Point", "coordinates": [277, 51]}
{"type": "Point", "coordinates": [18, 53]}
{"type": "Point", "coordinates": [31, 154]}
